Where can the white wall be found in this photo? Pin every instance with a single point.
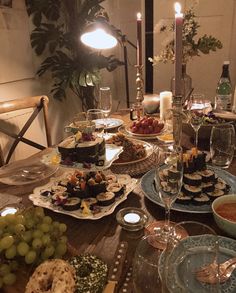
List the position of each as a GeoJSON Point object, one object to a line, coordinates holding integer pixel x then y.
{"type": "Point", "coordinates": [217, 19]}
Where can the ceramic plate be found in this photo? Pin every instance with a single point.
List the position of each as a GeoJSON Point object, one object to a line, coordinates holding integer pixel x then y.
{"type": "Point", "coordinates": [27, 174]}
{"type": "Point", "coordinates": [110, 122]}
{"type": "Point", "coordinates": [149, 150]}
{"type": "Point", "coordinates": [188, 253]}
{"type": "Point", "coordinates": [45, 202]}
{"type": "Point", "coordinates": [112, 154]}
{"type": "Point", "coordinates": [153, 135]}
{"type": "Point", "coordinates": [147, 185]}
{"type": "Point", "coordinates": [123, 130]}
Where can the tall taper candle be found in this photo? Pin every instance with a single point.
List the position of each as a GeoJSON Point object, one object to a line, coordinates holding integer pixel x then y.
{"type": "Point", "coordinates": [178, 48]}
{"type": "Point", "coordinates": [139, 39]}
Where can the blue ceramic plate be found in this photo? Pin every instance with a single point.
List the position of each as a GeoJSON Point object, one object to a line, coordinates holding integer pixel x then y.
{"type": "Point", "coordinates": [147, 185]}
{"type": "Point", "coordinates": [185, 259]}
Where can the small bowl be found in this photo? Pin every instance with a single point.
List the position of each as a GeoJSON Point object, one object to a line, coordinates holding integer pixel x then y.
{"type": "Point", "coordinates": [132, 219]}
{"type": "Point", "coordinates": [226, 225]}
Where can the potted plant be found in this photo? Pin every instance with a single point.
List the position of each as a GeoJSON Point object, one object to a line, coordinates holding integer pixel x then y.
{"type": "Point", "coordinates": [58, 26]}
{"type": "Point", "coordinates": [192, 45]}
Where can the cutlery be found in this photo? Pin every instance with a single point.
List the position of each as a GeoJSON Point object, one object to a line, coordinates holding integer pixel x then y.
{"type": "Point", "coordinates": [209, 273]}
{"type": "Point", "coordinates": [115, 270]}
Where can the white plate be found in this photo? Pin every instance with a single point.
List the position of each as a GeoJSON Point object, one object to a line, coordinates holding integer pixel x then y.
{"type": "Point", "coordinates": [149, 150]}
{"type": "Point", "coordinates": [193, 245]}
{"type": "Point", "coordinates": [26, 174]}
{"type": "Point", "coordinates": [109, 122]}
{"type": "Point", "coordinates": [112, 153]}
{"type": "Point", "coordinates": [45, 202]}
{"type": "Point", "coordinates": [153, 135]}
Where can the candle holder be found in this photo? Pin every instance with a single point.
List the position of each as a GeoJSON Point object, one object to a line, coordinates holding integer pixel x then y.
{"type": "Point", "coordinates": [177, 119]}
{"type": "Point", "coordinates": [139, 88]}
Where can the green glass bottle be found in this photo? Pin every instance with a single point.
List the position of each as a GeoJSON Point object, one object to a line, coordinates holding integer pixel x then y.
{"type": "Point", "coordinates": [224, 90]}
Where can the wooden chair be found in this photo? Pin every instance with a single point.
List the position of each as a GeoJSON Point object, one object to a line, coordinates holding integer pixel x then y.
{"type": "Point", "coordinates": [38, 103]}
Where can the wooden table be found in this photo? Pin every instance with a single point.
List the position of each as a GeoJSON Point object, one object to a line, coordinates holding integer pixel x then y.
{"type": "Point", "coordinates": [102, 236]}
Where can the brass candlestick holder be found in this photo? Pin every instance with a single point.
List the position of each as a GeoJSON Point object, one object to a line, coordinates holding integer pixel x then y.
{"type": "Point", "coordinates": [177, 119]}
{"type": "Point", "coordinates": [139, 88]}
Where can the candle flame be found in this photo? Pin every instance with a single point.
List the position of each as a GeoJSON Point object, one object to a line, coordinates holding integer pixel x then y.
{"type": "Point", "coordinates": [177, 8]}
{"type": "Point", "coordinates": [139, 16]}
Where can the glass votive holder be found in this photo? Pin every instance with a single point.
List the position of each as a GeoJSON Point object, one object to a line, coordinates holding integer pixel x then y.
{"type": "Point", "coordinates": [151, 103]}
{"type": "Point", "coordinates": [136, 111]}
{"type": "Point", "coordinates": [132, 219]}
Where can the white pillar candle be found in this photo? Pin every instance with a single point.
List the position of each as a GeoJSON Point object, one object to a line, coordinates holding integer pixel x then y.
{"type": "Point", "coordinates": [165, 103]}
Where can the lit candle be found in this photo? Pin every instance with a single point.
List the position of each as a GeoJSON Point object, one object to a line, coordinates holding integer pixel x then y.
{"type": "Point", "coordinates": [139, 39]}
{"type": "Point", "coordinates": [178, 48]}
{"type": "Point", "coordinates": [165, 103]}
{"type": "Point", "coordinates": [132, 218]}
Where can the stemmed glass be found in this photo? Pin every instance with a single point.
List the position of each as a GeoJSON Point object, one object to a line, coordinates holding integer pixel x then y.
{"type": "Point", "coordinates": [95, 114]}
{"type": "Point", "coordinates": [168, 180]}
{"type": "Point", "coordinates": [196, 110]}
{"type": "Point", "coordinates": [105, 102]}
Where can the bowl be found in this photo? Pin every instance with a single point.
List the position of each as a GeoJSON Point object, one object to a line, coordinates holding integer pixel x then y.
{"type": "Point", "coordinates": [224, 224]}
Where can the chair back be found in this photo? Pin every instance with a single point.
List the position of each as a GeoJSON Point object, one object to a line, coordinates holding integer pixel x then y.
{"type": "Point", "coordinates": [38, 103]}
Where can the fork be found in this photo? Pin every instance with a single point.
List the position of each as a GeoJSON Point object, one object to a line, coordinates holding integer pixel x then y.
{"type": "Point", "coordinates": [212, 274]}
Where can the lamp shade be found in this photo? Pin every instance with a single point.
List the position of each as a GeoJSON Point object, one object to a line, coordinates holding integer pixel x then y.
{"type": "Point", "coordinates": [98, 37]}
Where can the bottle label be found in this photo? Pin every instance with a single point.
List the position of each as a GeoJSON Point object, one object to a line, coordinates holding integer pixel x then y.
{"type": "Point", "coordinates": [223, 102]}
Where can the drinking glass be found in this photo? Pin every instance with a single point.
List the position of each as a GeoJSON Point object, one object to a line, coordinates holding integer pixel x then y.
{"type": "Point", "coordinates": [105, 102]}
{"type": "Point", "coordinates": [222, 144]}
{"type": "Point", "coordinates": [168, 180]}
{"type": "Point", "coordinates": [196, 110]}
{"type": "Point", "coordinates": [95, 114]}
{"type": "Point", "coordinates": [145, 266]}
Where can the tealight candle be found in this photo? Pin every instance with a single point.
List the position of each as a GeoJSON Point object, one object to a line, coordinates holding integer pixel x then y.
{"type": "Point", "coordinates": [8, 211]}
{"type": "Point", "coordinates": [132, 218]}
{"type": "Point", "coordinates": [165, 103]}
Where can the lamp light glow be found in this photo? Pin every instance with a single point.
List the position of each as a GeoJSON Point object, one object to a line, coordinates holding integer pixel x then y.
{"type": "Point", "coordinates": [99, 39]}
{"type": "Point", "coordinates": [178, 9]}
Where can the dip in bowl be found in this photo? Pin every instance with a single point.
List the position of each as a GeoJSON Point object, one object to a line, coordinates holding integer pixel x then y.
{"type": "Point", "coordinates": [224, 211]}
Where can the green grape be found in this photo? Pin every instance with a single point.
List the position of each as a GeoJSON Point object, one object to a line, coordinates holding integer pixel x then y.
{"type": "Point", "coordinates": [19, 228]}
{"type": "Point", "coordinates": [10, 253]}
{"type": "Point", "coordinates": [44, 227]}
{"type": "Point", "coordinates": [3, 223]}
{"type": "Point", "coordinates": [29, 223]}
{"type": "Point", "coordinates": [48, 252]}
{"type": "Point", "coordinates": [37, 243]}
{"type": "Point", "coordinates": [10, 218]}
{"type": "Point", "coordinates": [62, 227]}
{"type": "Point", "coordinates": [27, 236]}
{"type": "Point", "coordinates": [30, 257]}
{"type": "Point", "coordinates": [6, 242]}
{"type": "Point", "coordinates": [11, 228]}
{"type": "Point", "coordinates": [63, 239]}
{"type": "Point", "coordinates": [20, 219]}
{"type": "Point", "coordinates": [47, 220]}
{"type": "Point", "coordinates": [1, 282]}
{"type": "Point", "coordinates": [9, 279]}
{"type": "Point", "coordinates": [55, 224]}
{"type": "Point", "coordinates": [14, 265]}
{"type": "Point", "coordinates": [37, 234]}
{"type": "Point", "coordinates": [39, 212]}
{"type": "Point", "coordinates": [4, 269]}
{"type": "Point", "coordinates": [61, 249]}
{"type": "Point", "coordinates": [22, 248]}
{"type": "Point", "coordinates": [46, 239]}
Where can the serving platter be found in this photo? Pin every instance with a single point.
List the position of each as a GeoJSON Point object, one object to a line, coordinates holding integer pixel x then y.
{"type": "Point", "coordinates": [45, 202]}
{"type": "Point", "coordinates": [112, 153]}
{"type": "Point", "coordinates": [188, 252]}
{"type": "Point", "coordinates": [151, 192]}
{"type": "Point", "coordinates": [147, 146]}
{"type": "Point", "coordinates": [27, 173]}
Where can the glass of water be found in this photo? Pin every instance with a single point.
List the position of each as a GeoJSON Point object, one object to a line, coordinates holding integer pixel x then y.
{"type": "Point", "coordinates": [222, 144]}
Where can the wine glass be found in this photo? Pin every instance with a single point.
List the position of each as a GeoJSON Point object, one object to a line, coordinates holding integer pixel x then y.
{"type": "Point", "coordinates": [168, 180]}
{"type": "Point", "coordinates": [196, 110]}
{"type": "Point", "coordinates": [105, 103]}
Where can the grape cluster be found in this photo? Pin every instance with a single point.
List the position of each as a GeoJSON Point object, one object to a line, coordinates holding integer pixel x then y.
{"type": "Point", "coordinates": [31, 237]}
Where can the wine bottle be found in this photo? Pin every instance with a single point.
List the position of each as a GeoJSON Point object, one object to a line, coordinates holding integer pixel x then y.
{"type": "Point", "coordinates": [224, 90]}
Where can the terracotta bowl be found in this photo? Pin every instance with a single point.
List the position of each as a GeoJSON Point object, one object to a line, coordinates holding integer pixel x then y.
{"type": "Point", "coordinates": [226, 225]}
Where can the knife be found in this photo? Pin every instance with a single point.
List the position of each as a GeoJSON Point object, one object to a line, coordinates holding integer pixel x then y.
{"type": "Point", "coordinates": [115, 270]}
